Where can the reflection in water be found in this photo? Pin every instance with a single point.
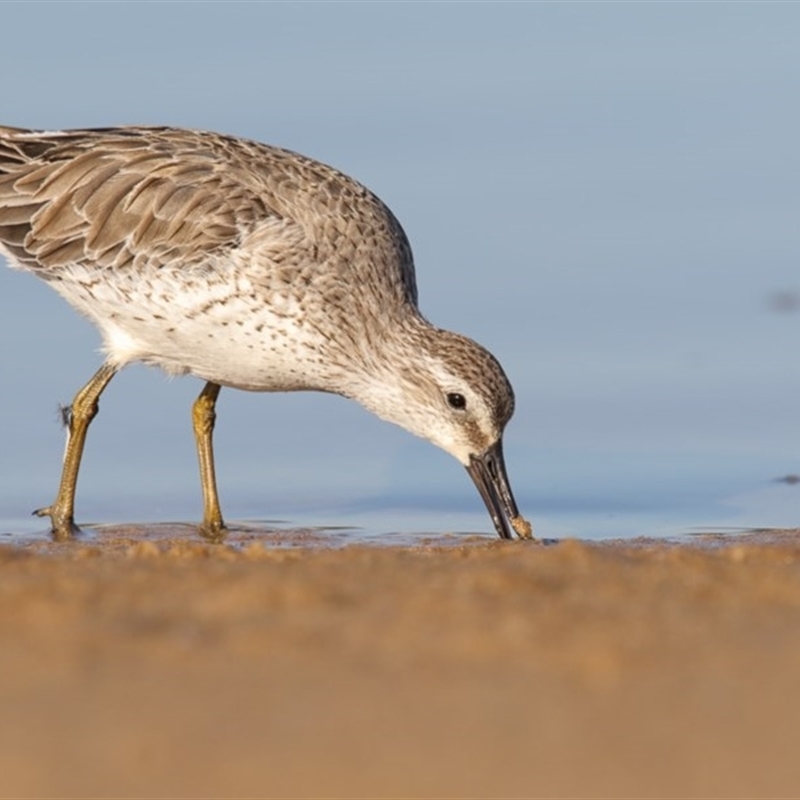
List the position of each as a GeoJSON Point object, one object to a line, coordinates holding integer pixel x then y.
{"type": "Point", "coordinates": [385, 522]}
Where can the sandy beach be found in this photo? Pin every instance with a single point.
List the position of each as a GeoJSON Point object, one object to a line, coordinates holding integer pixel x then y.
{"type": "Point", "coordinates": [144, 663]}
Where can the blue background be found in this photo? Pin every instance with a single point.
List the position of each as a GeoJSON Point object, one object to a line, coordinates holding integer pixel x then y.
{"type": "Point", "coordinates": [605, 195]}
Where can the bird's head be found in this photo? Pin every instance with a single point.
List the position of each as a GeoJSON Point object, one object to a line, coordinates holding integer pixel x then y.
{"type": "Point", "coordinates": [448, 389]}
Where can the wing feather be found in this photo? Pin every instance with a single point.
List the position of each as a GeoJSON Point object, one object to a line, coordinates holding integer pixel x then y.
{"type": "Point", "coordinates": [115, 197]}
{"type": "Point", "coordinates": [144, 197]}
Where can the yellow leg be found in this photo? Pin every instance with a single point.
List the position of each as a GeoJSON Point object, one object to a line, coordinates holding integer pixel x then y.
{"type": "Point", "coordinates": [203, 418]}
{"type": "Point", "coordinates": [82, 411]}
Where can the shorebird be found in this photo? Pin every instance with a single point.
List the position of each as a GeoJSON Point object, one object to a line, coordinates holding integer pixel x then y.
{"type": "Point", "coordinates": [248, 266]}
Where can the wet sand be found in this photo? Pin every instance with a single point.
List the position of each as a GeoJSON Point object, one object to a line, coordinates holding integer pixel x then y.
{"type": "Point", "coordinates": [144, 663]}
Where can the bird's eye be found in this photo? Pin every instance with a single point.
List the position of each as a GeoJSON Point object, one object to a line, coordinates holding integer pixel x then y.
{"type": "Point", "coordinates": [455, 400]}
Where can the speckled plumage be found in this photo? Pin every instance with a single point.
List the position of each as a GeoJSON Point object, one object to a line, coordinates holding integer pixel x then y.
{"type": "Point", "coordinates": [247, 266]}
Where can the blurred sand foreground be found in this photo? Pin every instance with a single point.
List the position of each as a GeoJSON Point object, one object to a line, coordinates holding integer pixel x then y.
{"type": "Point", "coordinates": [136, 667]}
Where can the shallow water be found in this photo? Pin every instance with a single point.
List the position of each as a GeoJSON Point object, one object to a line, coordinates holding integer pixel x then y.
{"type": "Point", "coordinates": [393, 523]}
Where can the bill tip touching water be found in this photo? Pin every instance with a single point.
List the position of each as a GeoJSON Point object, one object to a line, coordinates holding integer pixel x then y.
{"type": "Point", "coordinates": [247, 266]}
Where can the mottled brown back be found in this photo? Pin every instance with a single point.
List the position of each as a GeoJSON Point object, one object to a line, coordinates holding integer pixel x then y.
{"type": "Point", "coordinates": [143, 197]}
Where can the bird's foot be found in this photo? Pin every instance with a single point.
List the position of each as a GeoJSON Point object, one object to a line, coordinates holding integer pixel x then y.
{"type": "Point", "coordinates": [62, 525]}
{"type": "Point", "coordinates": [213, 531]}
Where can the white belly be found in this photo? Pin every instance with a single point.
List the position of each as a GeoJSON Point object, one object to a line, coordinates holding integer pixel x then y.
{"type": "Point", "coordinates": [223, 332]}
